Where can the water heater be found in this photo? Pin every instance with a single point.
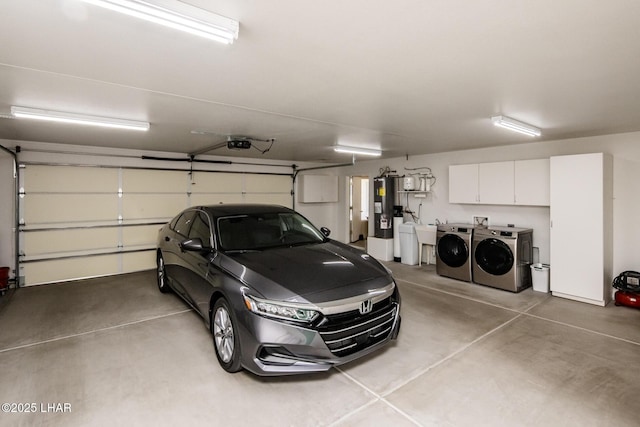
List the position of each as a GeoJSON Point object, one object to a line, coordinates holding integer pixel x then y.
{"type": "Point", "coordinates": [384, 189]}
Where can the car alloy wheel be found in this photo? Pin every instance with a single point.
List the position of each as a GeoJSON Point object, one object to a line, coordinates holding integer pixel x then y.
{"type": "Point", "coordinates": [162, 275]}
{"type": "Point", "coordinates": [225, 339]}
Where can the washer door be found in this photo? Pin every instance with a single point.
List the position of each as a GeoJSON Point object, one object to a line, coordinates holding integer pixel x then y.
{"type": "Point", "coordinates": [452, 250]}
{"type": "Point", "coordinates": [494, 257]}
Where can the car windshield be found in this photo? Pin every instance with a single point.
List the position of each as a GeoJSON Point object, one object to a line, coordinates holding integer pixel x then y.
{"type": "Point", "coordinates": [262, 231]}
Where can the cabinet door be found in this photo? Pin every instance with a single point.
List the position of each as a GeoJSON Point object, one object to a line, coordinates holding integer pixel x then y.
{"type": "Point", "coordinates": [531, 182]}
{"type": "Point", "coordinates": [577, 240]}
{"type": "Point", "coordinates": [463, 183]}
{"type": "Point", "coordinates": [496, 183]}
{"type": "Point", "coordinates": [319, 188]}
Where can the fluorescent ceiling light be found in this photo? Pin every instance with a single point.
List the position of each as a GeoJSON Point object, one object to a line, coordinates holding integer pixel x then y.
{"type": "Point", "coordinates": [357, 150]}
{"type": "Point", "coordinates": [79, 119]}
{"type": "Point", "coordinates": [514, 125]}
{"type": "Point", "coordinates": [177, 15]}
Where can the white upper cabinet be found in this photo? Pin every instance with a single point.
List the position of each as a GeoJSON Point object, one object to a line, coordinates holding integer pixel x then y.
{"type": "Point", "coordinates": [495, 183]}
{"type": "Point", "coordinates": [318, 188]}
{"type": "Point", "coordinates": [463, 183]}
{"type": "Point", "coordinates": [521, 182]}
{"type": "Point", "coordinates": [531, 182]}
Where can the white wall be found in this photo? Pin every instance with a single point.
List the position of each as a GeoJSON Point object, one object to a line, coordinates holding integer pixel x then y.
{"type": "Point", "coordinates": [625, 149]}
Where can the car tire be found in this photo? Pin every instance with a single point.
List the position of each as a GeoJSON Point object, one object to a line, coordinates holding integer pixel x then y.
{"type": "Point", "coordinates": [161, 275]}
{"type": "Point", "coordinates": [225, 336]}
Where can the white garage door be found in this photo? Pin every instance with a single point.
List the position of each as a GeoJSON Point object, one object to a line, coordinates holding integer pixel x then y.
{"type": "Point", "coordinates": [86, 221]}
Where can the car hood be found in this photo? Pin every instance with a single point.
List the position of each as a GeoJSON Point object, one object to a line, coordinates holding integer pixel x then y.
{"type": "Point", "coordinates": [313, 273]}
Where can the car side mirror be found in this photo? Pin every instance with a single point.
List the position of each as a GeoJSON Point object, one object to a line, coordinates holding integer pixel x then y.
{"type": "Point", "coordinates": [193, 245]}
{"type": "Point", "coordinates": [325, 231]}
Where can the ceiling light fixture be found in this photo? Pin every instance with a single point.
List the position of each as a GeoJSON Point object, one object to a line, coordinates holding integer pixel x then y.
{"type": "Point", "coordinates": [514, 125]}
{"type": "Point", "coordinates": [177, 15]}
{"type": "Point", "coordinates": [79, 119]}
{"type": "Point", "coordinates": [357, 150]}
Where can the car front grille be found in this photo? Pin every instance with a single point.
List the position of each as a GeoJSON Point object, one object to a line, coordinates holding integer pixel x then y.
{"type": "Point", "coordinates": [348, 333]}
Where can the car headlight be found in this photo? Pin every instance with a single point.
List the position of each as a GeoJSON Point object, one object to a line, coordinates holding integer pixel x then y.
{"type": "Point", "coordinates": [279, 310]}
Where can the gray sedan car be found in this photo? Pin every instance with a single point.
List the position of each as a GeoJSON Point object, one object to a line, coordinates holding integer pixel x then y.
{"type": "Point", "coordinates": [278, 295]}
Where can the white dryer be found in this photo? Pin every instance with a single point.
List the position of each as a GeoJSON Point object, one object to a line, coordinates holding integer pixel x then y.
{"type": "Point", "coordinates": [502, 257]}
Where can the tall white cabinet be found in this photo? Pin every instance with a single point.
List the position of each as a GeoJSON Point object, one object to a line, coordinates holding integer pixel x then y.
{"type": "Point", "coordinates": [581, 199]}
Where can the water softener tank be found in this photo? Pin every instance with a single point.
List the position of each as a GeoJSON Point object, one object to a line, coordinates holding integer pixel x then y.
{"type": "Point", "coordinates": [397, 222]}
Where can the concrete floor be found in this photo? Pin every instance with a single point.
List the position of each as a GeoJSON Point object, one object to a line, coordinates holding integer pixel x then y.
{"type": "Point", "coordinates": [118, 352]}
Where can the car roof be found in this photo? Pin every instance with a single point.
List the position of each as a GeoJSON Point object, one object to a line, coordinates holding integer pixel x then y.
{"type": "Point", "coordinates": [221, 210]}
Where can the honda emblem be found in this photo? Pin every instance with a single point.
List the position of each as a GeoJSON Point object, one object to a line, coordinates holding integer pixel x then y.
{"type": "Point", "coordinates": [366, 306]}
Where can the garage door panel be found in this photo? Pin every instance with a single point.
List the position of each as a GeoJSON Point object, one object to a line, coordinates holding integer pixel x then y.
{"type": "Point", "coordinates": [267, 183]}
{"type": "Point", "coordinates": [72, 179]}
{"type": "Point", "coordinates": [69, 269]}
{"type": "Point", "coordinates": [70, 208]}
{"type": "Point", "coordinates": [151, 206]}
{"type": "Point", "coordinates": [275, 199]}
{"type": "Point", "coordinates": [215, 199]}
{"type": "Point", "coordinates": [55, 241]}
{"type": "Point", "coordinates": [81, 221]}
{"type": "Point", "coordinates": [140, 235]}
{"type": "Point", "coordinates": [138, 261]}
{"type": "Point", "coordinates": [207, 182]}
{"type": "Point", "coordinates": [154, 181]}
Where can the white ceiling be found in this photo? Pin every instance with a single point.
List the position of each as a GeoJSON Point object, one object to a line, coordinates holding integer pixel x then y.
{"type": "Point", "coordinates": [409, 77]}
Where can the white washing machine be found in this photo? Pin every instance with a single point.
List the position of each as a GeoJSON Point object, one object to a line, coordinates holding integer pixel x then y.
{"type": "Point", "coordinates": [502, 256]}
{"type": "Point", "coordinates": [453, 251]}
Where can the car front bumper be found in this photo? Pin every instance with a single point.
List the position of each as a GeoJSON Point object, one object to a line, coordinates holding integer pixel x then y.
{"type": "Point", "coordinates": [272, 347]}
